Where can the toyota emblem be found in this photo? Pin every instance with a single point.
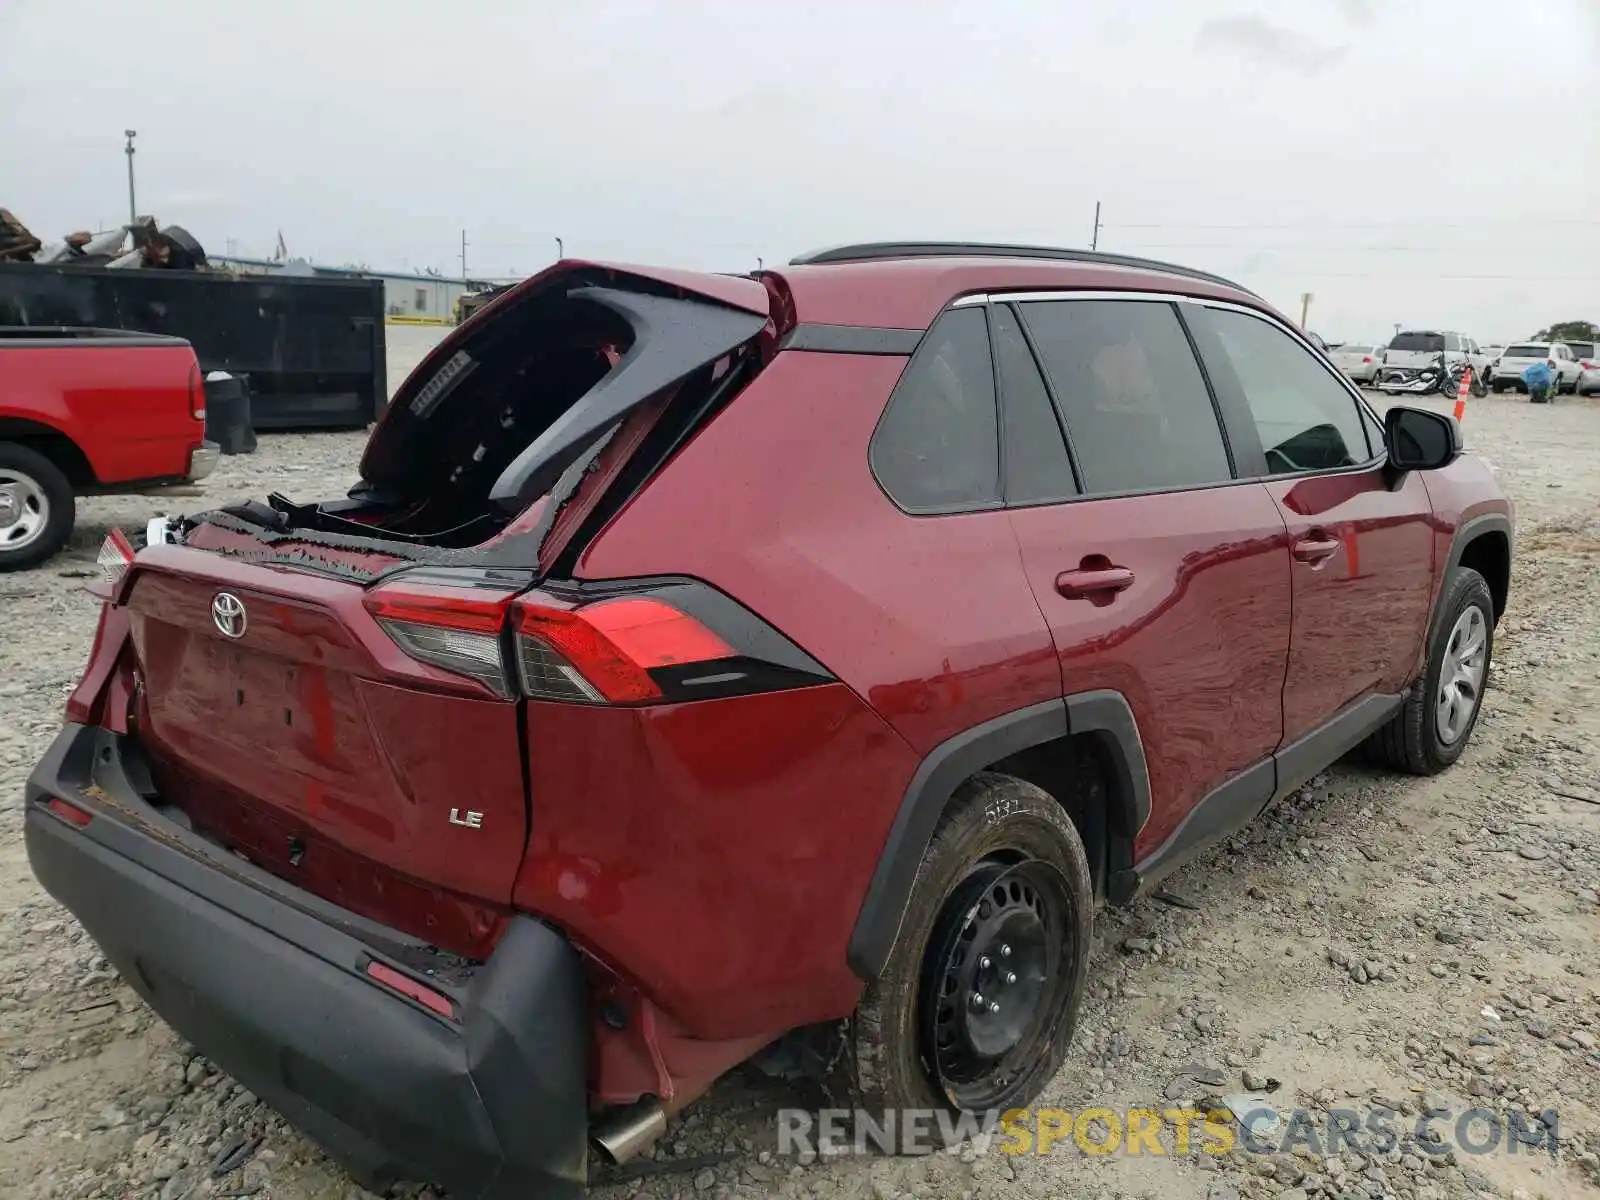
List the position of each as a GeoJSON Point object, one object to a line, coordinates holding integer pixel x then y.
{"type": "Point", "coordinates": [227, 613]}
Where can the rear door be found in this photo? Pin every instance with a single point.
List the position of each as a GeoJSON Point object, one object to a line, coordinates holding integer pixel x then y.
{"type": "Point", "coordinates": [1161, 575]}
{"type": "Point", "coordinates": [1362, 546]}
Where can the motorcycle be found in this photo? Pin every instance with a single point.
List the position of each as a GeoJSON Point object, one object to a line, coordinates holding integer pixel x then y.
{"type": "Point", "coordinates": [1438, 377]}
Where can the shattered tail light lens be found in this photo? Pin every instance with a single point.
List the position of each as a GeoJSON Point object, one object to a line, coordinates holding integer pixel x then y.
{"type": "Point", "coordinates": [115, 557]}
{"type": "Point", "coordinates": [659, 643]}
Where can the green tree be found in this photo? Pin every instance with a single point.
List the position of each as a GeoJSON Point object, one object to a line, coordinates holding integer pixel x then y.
{"type": "Point", "coordinates": [1569, 331]}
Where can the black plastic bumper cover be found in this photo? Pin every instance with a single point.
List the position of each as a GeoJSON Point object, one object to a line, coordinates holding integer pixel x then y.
{"type": "Point", "coordinates": [270, 983]}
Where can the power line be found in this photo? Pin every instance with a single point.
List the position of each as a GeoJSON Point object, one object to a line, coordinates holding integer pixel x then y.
{"type": "Point", "coordinates": [1517, 278]}
{"type": "Point", "coordinates": [1477, 248]}
{"type": "Point", "coordinates": [1319, 225]}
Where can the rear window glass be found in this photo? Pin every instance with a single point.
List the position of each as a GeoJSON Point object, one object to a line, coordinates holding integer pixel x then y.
{"type": "Point", "coordinates": [1356, 349]}
{"type": "Point", "coordinates": [1528, 351]}
{"type": "Point", "coordinates": [937, 448]}
{"type": "Point", "coordinates": [1582, 349]}
{"type": "Point", "coordinates": [1138, 411]}
{"type": "Point", "coordinates": [1036, 466]}
{"type": "Point", "coordinates": [1430, 343]}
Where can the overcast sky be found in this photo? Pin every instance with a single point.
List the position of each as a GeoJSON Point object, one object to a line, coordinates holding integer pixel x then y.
{"type": "Point", "coordinates": [1428, 162]}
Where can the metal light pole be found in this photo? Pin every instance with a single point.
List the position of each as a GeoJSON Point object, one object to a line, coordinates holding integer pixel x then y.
{"type": "Point", "coordinates": [561, 249]}
{"type": "Point", "coordinates": [133, 211]}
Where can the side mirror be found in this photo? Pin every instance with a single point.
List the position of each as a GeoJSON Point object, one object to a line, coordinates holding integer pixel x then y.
{"type": "Point", "coordinates": [1419, 440]}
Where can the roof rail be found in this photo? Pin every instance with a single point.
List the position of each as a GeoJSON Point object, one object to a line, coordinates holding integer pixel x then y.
{"type": "Point", "coordinates": [874, 251]}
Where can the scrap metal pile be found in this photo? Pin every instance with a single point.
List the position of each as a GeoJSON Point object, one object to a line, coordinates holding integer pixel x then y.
{"type": "Point", "coordinates": [139, 244]}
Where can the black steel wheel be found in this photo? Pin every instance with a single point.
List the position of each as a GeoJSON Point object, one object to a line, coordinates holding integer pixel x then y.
{"type": "Point", "coordinates": [992, 981]}
{"type": "Point", "coordinates": [975, 1008]}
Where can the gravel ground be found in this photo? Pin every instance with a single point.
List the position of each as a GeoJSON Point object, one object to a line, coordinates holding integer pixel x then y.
{"type": "Point", "coordinates": [1373, 941]}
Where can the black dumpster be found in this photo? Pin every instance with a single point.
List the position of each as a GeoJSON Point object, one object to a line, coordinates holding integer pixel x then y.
{"type": "Point", "coordinates": [228, 414]}
{"type": "Point", "coordinates": [312, 347]}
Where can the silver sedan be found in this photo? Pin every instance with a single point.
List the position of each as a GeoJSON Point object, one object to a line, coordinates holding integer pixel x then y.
{"type": "Point", "coordinates": [1358, 360]}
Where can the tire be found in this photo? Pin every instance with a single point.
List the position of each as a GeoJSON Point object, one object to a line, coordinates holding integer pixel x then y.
{"type": "Point", "coordinates": [992, 821]}
{"type": "Point", "coordinates": [36, 507]}
{"type": "Point", "coordinates": [1413, 741]}
{"type": "Point", "coordinates": [1497, 387]}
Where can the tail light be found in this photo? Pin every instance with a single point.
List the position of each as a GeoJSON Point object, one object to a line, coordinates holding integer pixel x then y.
{"type": "Point", "coordinates": [1587, 365]}
{"type": "Point", "coordinates": [1551, 363]}
{"type": "Point", "coordinates": [114, 559]}
{"type": "Point", "coordinates": [197, 394]}
{"type": "Point", "coordinates": [456, 629]}
{"type": "Point", "coordinates": [1366, 358]}
{"type": "Point", "coordinates": [649, 642]}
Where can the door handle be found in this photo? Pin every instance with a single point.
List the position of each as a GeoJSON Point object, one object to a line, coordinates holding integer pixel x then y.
{"type": "Point", "coordinates": [1089, 582]}
{"type": "Point", "coordinates": [1316, 549]}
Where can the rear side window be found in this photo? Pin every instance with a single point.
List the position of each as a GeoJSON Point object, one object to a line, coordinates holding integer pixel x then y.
{"type": "Point", "coordinates": [1037, 469]}
{"type": "Point", "coordinates": [1430, 343]}
{"type": "Point", "coordinates": [1137, 408]}
{"type": "Point", "coordinates": [937, 447]}
{"type": "Point", "coordinates": [1582, 349]}
{"type": "Point", "coordinates": [1307, 420]}
{"type": "Point", "coordinates": [1527, 351]}
{"type": "Point", "coordinates": [1452, 342]}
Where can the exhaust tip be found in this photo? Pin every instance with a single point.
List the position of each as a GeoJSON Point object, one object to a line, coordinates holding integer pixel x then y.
{"type": "Point", "coordinates": [625, 1133]}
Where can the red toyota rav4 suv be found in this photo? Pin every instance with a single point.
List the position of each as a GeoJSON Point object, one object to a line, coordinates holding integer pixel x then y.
{"type": "Point", "coordinates": [703, 658]}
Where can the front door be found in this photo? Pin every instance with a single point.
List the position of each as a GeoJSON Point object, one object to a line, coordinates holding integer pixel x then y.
{"type": "Point", "coordinates": [1360, 540]}
{"type": "Point", "coordinates": [1161, 576]}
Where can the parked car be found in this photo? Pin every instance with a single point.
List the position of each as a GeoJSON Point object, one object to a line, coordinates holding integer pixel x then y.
{"type": "Point", "coordinates": [1509, 367]}
{"type": "Point", "coordinates": [1413, 349]}
{"type": "Point", "coordinates": [1358, 360]}
{"type": "Point", "coordinates": [90, 411]}
{"type": "Point", "coordinates": [1588, 356]}
{"type": "Point", "coordinates": [803, 663]}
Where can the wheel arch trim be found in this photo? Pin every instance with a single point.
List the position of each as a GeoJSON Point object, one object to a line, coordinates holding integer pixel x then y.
{"type": "Point", "coordinates": [953, 761]}
{"type": "Point", "coordinates": [1465, 534]}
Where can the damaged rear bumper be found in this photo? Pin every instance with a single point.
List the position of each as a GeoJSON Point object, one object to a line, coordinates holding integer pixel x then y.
{"type": "Point", "coordinates": [272, 983]}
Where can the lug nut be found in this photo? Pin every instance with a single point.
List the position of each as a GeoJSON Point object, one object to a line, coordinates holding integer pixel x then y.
{"type": "Point", "coordinates": [1011, 976]}
{"type": "Point", "coordinates": [977, 999]}
{"type": "Point", "coordinates": [984, 962]}
{"type": "Point", "coordinates": [1005, 951]}
{"type": "Point", "coordinates": [994, 1008]}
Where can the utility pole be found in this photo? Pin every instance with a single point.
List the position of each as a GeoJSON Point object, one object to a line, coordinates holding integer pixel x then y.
{"type": "Point", "coordinates": [561, 249]}
{"type": "Point", "coordinates": [133, 212]}
{"type": "Point", "coordinates": [463, 255]}
{"type": "Point", "coordinates": [1305, 308]}
{"type": "Point", "coordinates": [1094, 241]}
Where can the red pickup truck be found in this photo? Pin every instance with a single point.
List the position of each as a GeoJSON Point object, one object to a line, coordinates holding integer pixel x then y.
{"type": "Point", "coordinates": [87, 411]}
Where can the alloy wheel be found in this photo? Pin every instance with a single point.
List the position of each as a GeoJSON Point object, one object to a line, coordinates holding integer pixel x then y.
{"type": "Point", "coordinates": [1461, 676]}
{"type": "Point", "coordinates": [24, 509]}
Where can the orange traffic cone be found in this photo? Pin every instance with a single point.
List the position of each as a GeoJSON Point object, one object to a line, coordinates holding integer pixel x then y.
{"type": "Point", "coordinates": [1461, 394]}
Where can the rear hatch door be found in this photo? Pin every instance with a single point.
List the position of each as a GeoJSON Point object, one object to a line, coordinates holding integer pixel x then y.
{"type": "Point", "coordinates": [1520, 357]}
{"type": "Point", "coordinates": [285, 721]}
{"type": "Point", "coordinates": [1414, 350]}
{"type": "Point", "coordinates": [340, 709]}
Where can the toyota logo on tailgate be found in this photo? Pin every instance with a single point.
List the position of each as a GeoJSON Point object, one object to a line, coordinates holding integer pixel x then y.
{"type": "Point", "coordinates": [227, 613]}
